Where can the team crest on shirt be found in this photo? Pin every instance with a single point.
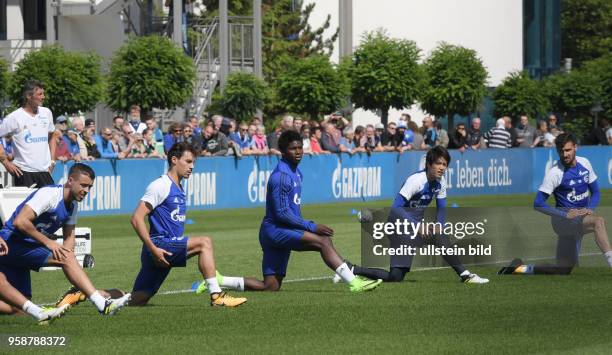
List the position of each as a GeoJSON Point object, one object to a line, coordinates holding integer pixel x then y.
{"type": "Point", "coordinates": [296, 199]}
{"type": "Point", "coordinates": [584, 172]}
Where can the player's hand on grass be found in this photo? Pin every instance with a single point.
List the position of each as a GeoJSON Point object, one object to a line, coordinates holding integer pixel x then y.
{"type": "Point", "coordinates": [3, 247]}
{"type": "Point", "coordinates": [59, 251]}
{"type": "Point", "coordinates": [159, 257]}
{"type": "Point", "coordinates": [324, 230]}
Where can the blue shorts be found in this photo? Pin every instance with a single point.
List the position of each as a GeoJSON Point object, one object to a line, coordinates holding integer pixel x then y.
{"type": "Point", "coordinates": [25, 255]}
{"type": "Point", "coordinates": [277, 244]}
{"type": "Point", "coordinates": [151, 277]}
{"type": "Point", "coordinates": [18, 278]}
{"type": "Point", "coordinates": [569, 239]}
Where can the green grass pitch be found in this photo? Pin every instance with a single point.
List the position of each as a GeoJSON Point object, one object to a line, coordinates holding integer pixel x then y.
{"type": "Point", "coordinates": [431, 312]}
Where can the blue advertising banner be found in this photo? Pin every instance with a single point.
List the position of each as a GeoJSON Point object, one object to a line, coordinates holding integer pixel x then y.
{"type": "Point", "coordinates": [224, 182]}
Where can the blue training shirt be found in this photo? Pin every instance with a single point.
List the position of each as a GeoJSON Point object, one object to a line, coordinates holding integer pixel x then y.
{"type": "Point", "coordinates": [570, 186]}
{"type": "Point", "coordinates": [169, 207]}
{"type": "Point", "coordinates": [283, 198]}
{"type": "Point", "coordinates": [417, 193]}
{"type": "Point", "coordinates": [51, 213]}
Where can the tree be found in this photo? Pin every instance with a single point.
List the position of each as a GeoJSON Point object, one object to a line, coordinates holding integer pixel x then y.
{"type": "Point", "coordinates": [4, 78]}
{"type": "Point", "coordinates": [601, 69]}
{"type": "Point", "coordinates": [244, 94]}
{"type": "Point", "coordinates": [151, 72]}
{"type": "Point", "coordinates": [384, 73]}
{"type": "Point", "coordinates": [312, 86]}
{"type": "Point", "coordinates": [73, 82]}
{"type": "Point", "coordinates": [519, 95]}
{"type": "Point", "coordinates": [572, 94]}
{"type": "Point", "coordinates": [586, 29]}
{"type": "Point", "coordinates": [455, 82]}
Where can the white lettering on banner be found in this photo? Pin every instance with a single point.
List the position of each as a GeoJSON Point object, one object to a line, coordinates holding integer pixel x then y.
{"type": "Point", "coordinates": [463, 176]}
{"type": "Point", "coordinates": [356, 182]}
{"type": "Point", "coordinates": [105, 194]}
{"type": "Point", "coordinates": [201, 189]}
{"type": "Point", "coordinates": [257, 184]}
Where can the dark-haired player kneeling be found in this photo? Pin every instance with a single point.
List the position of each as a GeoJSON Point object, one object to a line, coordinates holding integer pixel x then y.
{"type": "Point", "coordinates": [415, 195]}
{"type": "Point", "coordinates": [571, 180]}
{"type": "Point", "coordinates": [283, 229]}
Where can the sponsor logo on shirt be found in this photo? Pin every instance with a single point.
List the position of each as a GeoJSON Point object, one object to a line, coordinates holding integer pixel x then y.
{"type": "Point", "coordinates": [29, 139]}
{"type": "Point", "coordinates": [572, 197]}
{"type": "Point", "coordinates": [177, 216]}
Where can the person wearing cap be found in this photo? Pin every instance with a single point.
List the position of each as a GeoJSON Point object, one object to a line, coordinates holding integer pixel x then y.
{"type": "Point", "coordinates": [71, 140]}
{"type": "Point", "coordinates": [404, 137]}
{"type": "Point", "coordinates": [34, 139]}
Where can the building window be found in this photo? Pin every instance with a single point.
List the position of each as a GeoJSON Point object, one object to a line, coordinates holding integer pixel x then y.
{"type": "Point", "coordinates": [541, 37]}
{"type": "Point", "coordinates": [34, 19]}
{"type": "Point", "coordinates": [2, 20]}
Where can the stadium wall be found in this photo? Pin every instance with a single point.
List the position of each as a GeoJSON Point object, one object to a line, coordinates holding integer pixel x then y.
{"type": "Point", "coordinates": [224, 182]}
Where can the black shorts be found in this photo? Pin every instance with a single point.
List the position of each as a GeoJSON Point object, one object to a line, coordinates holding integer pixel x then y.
{"type": "Point", "coordinates": [39, 179]}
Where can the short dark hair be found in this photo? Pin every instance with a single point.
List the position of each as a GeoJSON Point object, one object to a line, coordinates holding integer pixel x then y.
{"type": "Point", "coordinates": [563, 138]}
{"type": "Point", "coordinates": [116, 117]}
{"type": "Point", "coordinates": [286, 138]}
{"type": "Point", "coordinates": [82, 169]}
{"type": "Point", "coordinates": [29, 86]}
{"type": "Point", "coordinates": [178, 149]}
{"type": "Point", "coordinates": [436, 153]}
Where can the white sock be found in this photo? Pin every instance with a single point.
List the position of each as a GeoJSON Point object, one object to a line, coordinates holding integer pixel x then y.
{"type": "Point", "coordinates": [213, 285]}
{"type": "Point", "coordinates": [33, 310]}
{"type": "Point", "coordinates": [465, 273]}
{"type": "Point", "coordinates": [98, 300]}
{"type": "Point", "coordinates": [608, 256]}
{"type": "Point", "coordinates": [235, 283]}
{"type": "Point", "coordinates": [345, 273]}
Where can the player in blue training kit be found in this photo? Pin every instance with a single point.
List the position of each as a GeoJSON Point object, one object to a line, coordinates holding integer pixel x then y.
{"type": "Point", "coordinates": [574, 184]}
{"type": "Point", "coordinates": [283, 229]}
{"type": "Point", "coordinates": [164, 245]}
{"type": "Point", "coordinates": [410, 203]}
{"type": "Point", "coordinates": [42, 213]}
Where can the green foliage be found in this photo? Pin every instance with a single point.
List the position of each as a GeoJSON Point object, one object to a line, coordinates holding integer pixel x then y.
{"type": "Point", "coordinates": [384, 73]}
{"type": "Point", "coordinates": [601, 70]}
{"type": "Point", "coordinates": [4, 78]}
{"type": "Point", "coordinates": [312, 86]}
{"type": "Point", "coordinates": [586, 29]}
{"type": "Point", "coordinates": [244, 94]}
{"type": "Point", "coordinates": [151, 72]}
{"type": "Point", "coordinates": [572, 94]}
{"type": "Point", "coordinates": [518, 94]}
{"type": "Point", "coordinates": [73, 81]}
{"type": "Point", "coordinates": [579, 126]}
{"type": "Point", "coordinates": [455, 81]}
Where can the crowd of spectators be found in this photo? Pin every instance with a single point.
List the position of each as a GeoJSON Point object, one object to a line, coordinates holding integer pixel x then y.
{"type": "Point", "coordinates": [219, 136]}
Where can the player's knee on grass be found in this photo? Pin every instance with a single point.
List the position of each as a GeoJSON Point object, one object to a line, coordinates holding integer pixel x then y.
{"type": "Point", "coordinates": [139, 299]}
{"type": "Point", "coordinates": [397, 274]}
{"type": "Point", "coordinates": [272, 283]}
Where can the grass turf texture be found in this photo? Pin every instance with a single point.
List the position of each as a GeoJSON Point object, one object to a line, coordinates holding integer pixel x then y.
{"type": "Point", "coordinates": [430, 312]}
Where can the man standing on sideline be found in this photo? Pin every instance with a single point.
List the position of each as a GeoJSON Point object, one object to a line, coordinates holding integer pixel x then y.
{"type": "Point", "coordinates": [34, 138]}
{"type": "Point", "coordinates": [525, 133]}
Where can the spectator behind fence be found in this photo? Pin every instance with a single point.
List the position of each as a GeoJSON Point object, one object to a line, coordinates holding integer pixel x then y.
{"type": "Point", "coordinates": [404, 137]}
{"type": "Point", "coordinates": [540, 134]}
{"type": "Point", "coordinates": [118, 122]}
{"type": "Point", "coordinates": [196, 141]}
{"type": "Point", "coordinates": [73, 142]}
{"type": "Point", "coordinates": [371, 142]}
{"type": "Point", "coordinates": [417, 140]}
{"type": "Point", "coordinates": [77, 124]}
{"type": "Point", "coordinates": [242, 138]}
{"type": "Point", "coordinates": [259, 142]}
{"type": "Point", "coordinates": [215, 142]}
{"type": "Point", "coordinates": [173, 136]}
{"type": "Point", "coordinates": [430, 135]}
{"type": "Point", "coordinates": [474, 135]}
{"type": "Point", "coordinates": [442, 135]}
{"type": "Point", "coordinates": [525, 133]}
{"type": "Point", "coordinates": [359, 136]}
{"type": "Point", "coordinates": [297, 124]}
{"type": "Point", "coordinates": [90, 143]}
{"type": "Point", "coordinates": [597, 136]}
{"type": "Point", "coordinates": [135, 122]}
{"type": "Point", "coordinates": [508, 127]}
{"type": "Point", "coordinates": [285, 125]}
{"type": "Point", "coordinates": [305, 133]}
{"type": "Point", "coordinates": [217, 121]}
{"type": "Point", "coordinates": [62, 153]}
{"type": "Point", "coordinates": [151, 123]}
{"type": "Point", "coordinates": [106, 147]}
{"type": "Point", "coordinates": [458, 140]}
{"type": "Point", "coordinates": [125, 139]}
{"type": "Point", "coordinates": [315, 140]}
{"type": "Point", "coordinates": [329, 142]}
{"type": "Point", "coordinates": [552, 122]}
{"type": "Point", "coordinates": [389, 138]}
{"type": "Point", "coordinates": [150, 144]}
{"type": "Point", "coordinates": [194, 122]}
{"type": "Point", "coordinates": [498, 136]}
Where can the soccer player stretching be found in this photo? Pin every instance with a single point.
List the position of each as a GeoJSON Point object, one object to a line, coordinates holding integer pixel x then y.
{"type": "Point", "coordinates": [42, 213]}
{"type": "Point", "coordinates": [11, 300]}
{"type": "Point", "coordinates": [570, 180]}
{"type": "Point", "coordinates": [415, 195]}
{"type": "Point", "coordinates": [283, 229]}
{"type": "Point", "coordinates": [165, 246]}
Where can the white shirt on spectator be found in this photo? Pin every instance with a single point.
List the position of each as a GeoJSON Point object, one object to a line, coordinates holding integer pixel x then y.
{"type": "Point", "coordinates": [30, 138]}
